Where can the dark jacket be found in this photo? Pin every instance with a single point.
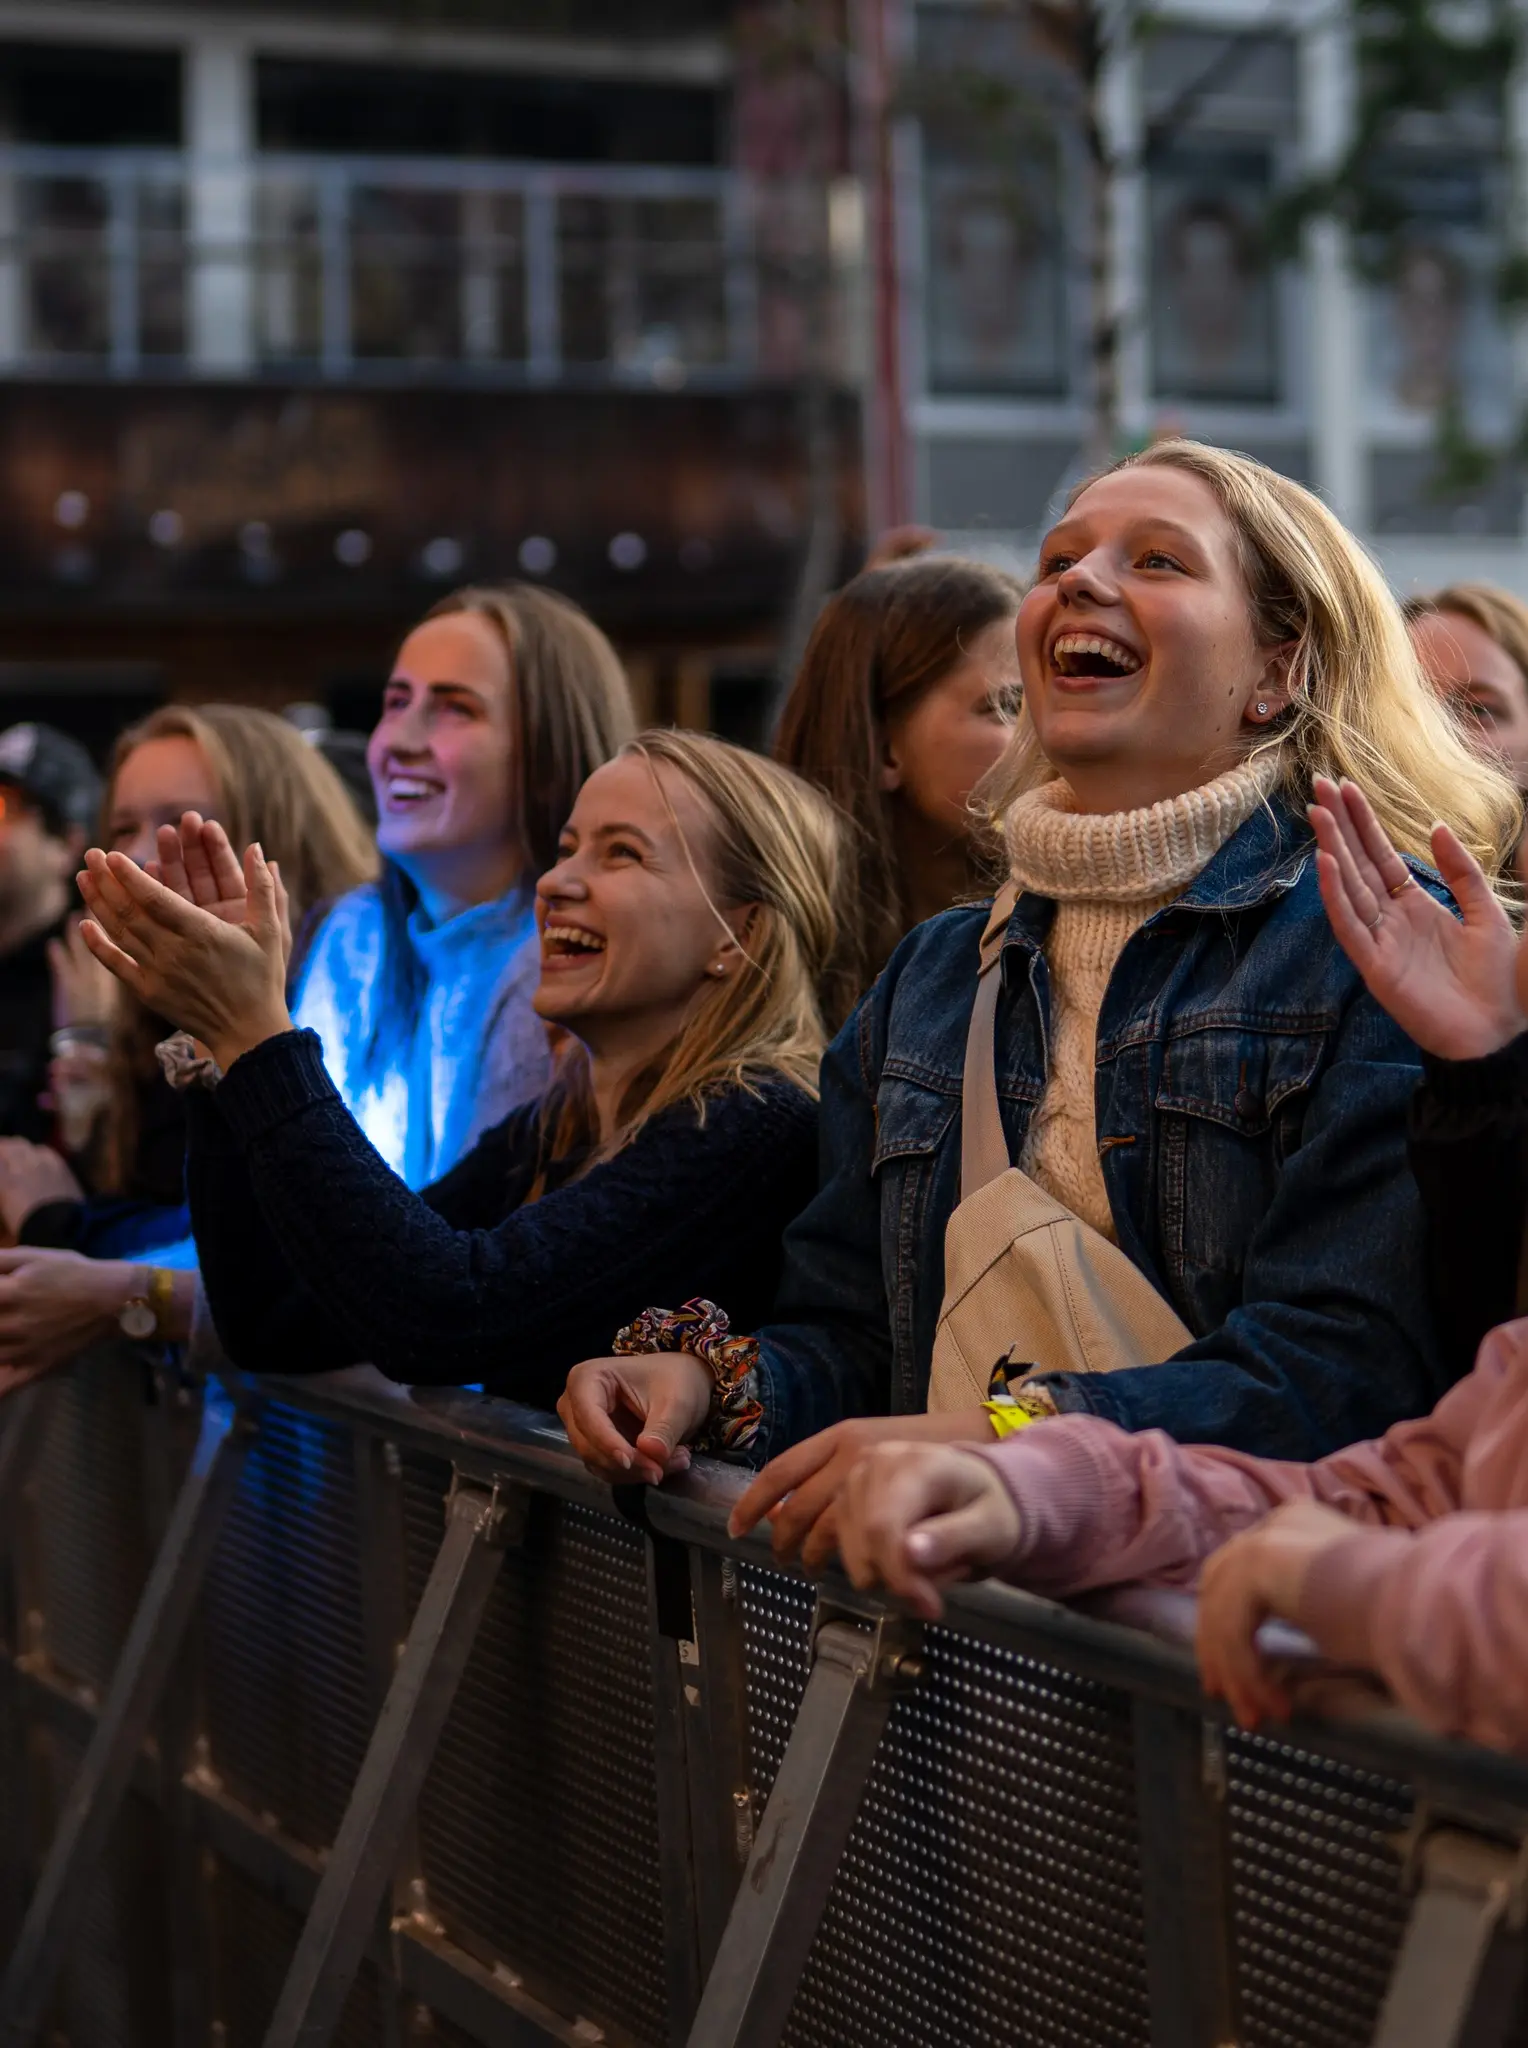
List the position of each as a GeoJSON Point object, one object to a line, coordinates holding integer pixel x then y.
{"type": "Point", "coordinates": [26, 1026]}
{"type": "Point", "coordinates": [1469, 1152]}
{"type": "Point", "coordinates": [1251, 1114]}
{"type": "Point", "coordinates": [315, 1255]}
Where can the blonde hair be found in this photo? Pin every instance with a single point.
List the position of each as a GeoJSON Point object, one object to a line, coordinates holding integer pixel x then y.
{"type": "Point", "coordinates": [774, 845]}
{"type": "Point", "coordinates": [271, 786]}
{"type": "Point", "coordinates": [570, 703]}
{"type": "Point", "coordinates": [1498, 614]}
{"type": "Point", "coordinates": [1359, 705]}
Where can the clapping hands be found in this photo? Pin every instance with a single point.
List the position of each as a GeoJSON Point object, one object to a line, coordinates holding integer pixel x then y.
{"type": "Point", "coordinates": [205, 942]}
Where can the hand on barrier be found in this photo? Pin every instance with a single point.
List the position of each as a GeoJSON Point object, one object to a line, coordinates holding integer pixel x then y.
{"type": "Point", "coordinates": [914, 1518]}
{"type": "Point", "coordinates": [29, 1176]}
{"type": "Point", "coordinates": [1460, 989]}
{"type": "Point", "coordinates": [628, 1418]}
{"type": "Point", "coordinates": [799, 1492]}
{"type": "Point", "coordinates": [1257, 1576]}
{"type": "Point", "coordinates": [52, 1304]}
{"type": "Point", "coordinates": [197, 863]}
{"type": "Point", "coordinates": [223, 982]}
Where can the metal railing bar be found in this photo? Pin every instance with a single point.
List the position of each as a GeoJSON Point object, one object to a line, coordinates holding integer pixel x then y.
{"type": "Point", "coordinates": [629, 181]}
{"type": "Point", "coordinates": [95, 1794]}
{"type": "Point", "coordinates": [479, 1525]}
{"type": "Point", "coordinates": [486, 2003]}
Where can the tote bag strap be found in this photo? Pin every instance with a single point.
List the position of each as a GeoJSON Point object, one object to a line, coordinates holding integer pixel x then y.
{"type": "Point", "coordinates": [983, 1145]}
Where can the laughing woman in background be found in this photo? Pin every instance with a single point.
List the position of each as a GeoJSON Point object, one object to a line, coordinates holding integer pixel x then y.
{"type": "Point", "coordinates": [419, 986]}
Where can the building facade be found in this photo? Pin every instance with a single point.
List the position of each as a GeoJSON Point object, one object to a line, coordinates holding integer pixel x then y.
{"type": "Point", "coordinates": [309, 314]}
{"type": "Point", "coordinates": [1366, 374]}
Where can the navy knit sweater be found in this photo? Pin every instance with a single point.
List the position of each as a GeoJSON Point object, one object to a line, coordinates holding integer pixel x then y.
{"type": "Point", "coordinates": [315, 1255]}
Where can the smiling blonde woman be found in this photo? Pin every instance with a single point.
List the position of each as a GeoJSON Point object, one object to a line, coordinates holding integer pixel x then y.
{"type": "Point", "coordinates": [682, 928]}
{"type": "Point", "coordinates": [1186, 1066]}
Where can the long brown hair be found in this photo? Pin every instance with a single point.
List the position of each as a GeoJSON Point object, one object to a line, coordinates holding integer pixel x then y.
{"type": "Point", "coordinates": [274, 787]}
{"type": "Point", "coordinates": [774, 845]}
{"type": "Point", "coordinates": [879, 645]}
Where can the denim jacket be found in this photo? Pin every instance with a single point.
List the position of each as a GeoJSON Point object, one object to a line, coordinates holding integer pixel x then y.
{"type": "Point", "coordinates": [1251, 1105]}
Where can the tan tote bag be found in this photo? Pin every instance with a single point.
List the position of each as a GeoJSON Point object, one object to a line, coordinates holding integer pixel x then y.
{"type": "Point", "coordinates": [1023, 1276]}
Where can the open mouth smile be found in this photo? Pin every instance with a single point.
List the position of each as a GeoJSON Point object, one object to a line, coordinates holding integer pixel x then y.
{"type": "Point", "coordinates": [1095, 655]}
{"type": "Point", "coordinates": [569, 941]}
{"type": "Point", "coordinates": [404, 790]}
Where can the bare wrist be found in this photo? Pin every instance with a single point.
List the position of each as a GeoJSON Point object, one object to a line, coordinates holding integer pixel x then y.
{"type": "Point", "coordinates": [245, 1035]}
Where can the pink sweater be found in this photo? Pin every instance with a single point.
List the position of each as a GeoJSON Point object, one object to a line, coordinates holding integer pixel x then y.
{"type": "Point", "coordinates": [1430, 1591]}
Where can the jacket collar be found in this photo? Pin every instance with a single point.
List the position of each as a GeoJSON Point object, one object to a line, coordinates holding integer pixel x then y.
{"type": "Point", "coordinates": [1262, 859]}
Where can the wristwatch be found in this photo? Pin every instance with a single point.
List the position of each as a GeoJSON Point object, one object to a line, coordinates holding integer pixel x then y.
{"type": "Point", "coordinates": [145, 1314]}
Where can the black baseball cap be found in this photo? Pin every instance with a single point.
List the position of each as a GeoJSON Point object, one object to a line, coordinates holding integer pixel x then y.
{"type": "Point", "coordinates": [54, 772]}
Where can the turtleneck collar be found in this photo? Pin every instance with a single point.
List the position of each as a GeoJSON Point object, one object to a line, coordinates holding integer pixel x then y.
{"type": "Point", "coordinates": [1128, 856]}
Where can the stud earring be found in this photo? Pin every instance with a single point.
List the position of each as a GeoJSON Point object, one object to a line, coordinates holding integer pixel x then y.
{"type": "Point", "coordinates": [718, 967]}
{"type": "Point", "coordinates": [1262, 710]}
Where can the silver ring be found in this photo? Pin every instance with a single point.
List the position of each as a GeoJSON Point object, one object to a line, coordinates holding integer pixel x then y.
{"type": "Point", "coordinates": [1372, 923]}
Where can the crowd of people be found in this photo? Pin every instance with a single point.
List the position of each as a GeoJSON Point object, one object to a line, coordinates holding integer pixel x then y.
{"type": "Point", "coordinates": [1062, 1116]}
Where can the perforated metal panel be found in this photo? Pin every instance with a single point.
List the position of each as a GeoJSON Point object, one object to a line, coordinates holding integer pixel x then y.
{"type": "Point", "coordinates": [1318, 1901]}
{"type": "Point", "coordinates": [287, 1709]}
{"type": "Point", "coordinates": [113, 1991]}
{"type": "Point", "coordinates": [88, 1546]}
{"type": "Point", "coordinates": [253, 1941]}
{"type": "Point", "coordinates": [538, 1823]}
{"type": "Point", "coordinates": [990, 1890]}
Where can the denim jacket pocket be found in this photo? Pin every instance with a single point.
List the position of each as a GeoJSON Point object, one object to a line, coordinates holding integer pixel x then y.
{"type": "Point", "coordinates": [1231, 1103]}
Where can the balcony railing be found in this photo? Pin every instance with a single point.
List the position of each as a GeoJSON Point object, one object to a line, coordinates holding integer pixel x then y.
{"type": "Point", "coordinates": [134, 263]}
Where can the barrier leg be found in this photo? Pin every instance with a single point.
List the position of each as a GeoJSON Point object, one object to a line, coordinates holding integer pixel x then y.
{"type": "Point", "coordinates": [479, 1524]}
{"type": "Point", "coordinates": [856, 1673]}
{"type": "Point", "coordinates": [1459, 1979]}
{"type": "Point", "coordinates": [142, 1670]}
{"type": "Point", "coordinates": [22, 1429]}
{"type": "Point", "coordinates": [1180, 1790]}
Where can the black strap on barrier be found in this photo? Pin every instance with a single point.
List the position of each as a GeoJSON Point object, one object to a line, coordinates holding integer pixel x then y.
{"type": "Point", "coordinates": [857, 1672]}
{"type": "Point", "coordinates": [481, 1523]}
{"type": "Point", "coordinates": [143, 1669]}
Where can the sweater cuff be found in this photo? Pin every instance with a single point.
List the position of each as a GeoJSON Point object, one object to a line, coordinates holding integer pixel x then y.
{"type": "Point", "coordinates": [55, 1226]}
{"type": "Point", "coordinates": [1053, 1479]}
{"type": "Point", "coordinates": [1340, 1597]}
{"type": "Point", "coordinates": [273, 1082]}
{"type": "Point", "coordinates": [1499, 1081]}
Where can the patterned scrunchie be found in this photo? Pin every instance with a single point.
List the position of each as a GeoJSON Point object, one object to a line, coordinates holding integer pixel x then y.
{"type": "Point", "coordinates": [703, 1330]}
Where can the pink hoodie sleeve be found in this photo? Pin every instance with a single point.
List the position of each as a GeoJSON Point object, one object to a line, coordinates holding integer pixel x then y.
{"type": "Point", "coordinates": [1441, 1614]}
{"type": "Point", "coordinates": [1101, 1507]}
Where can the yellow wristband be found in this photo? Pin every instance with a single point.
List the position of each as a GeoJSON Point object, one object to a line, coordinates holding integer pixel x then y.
{"type": "Point", "coordinates": [1007, 1416]}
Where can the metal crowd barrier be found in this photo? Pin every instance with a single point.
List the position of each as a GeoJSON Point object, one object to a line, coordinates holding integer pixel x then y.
{"type": "Point", "coordinates": [334, 1712]}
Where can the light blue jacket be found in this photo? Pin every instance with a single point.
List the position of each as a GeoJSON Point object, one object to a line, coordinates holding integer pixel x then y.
{"type": "Point", "coordinates": [424, 1095]}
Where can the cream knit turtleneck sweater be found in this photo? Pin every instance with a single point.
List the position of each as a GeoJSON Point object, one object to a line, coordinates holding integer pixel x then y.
{"type": "Point", "coordinates": [1107, 872]}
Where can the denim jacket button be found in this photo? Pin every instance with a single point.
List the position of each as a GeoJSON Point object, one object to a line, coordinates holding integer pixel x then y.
{"type": "Point", "coordinates": [1245, 1103]}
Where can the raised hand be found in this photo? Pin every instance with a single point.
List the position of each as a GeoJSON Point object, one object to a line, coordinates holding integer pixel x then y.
{"type": "Point", "coordinates": [1459, 988]}
{"type": "Point", "coordinates": [197, 863]}
{"type": "Point", "coordinates": [224, 983]}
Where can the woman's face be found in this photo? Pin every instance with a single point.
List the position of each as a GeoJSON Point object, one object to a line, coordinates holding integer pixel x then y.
{"type": "Point", "coordinates": [157, 782]}
{"type": "Point", "coordinates": [628, 939]}
{"type": "Point", "coordinates": [1480, 678]}
{"type": "Point", "coordinates": [939, 750]}
{"type": "Point", "coordinates": [440, 756]}
{"type": "Point", "coordinates": [1140, 664]}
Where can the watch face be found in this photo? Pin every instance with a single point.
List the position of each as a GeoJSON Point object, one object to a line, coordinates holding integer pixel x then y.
{"type": "Point", "coordinates": [137, 1319]}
